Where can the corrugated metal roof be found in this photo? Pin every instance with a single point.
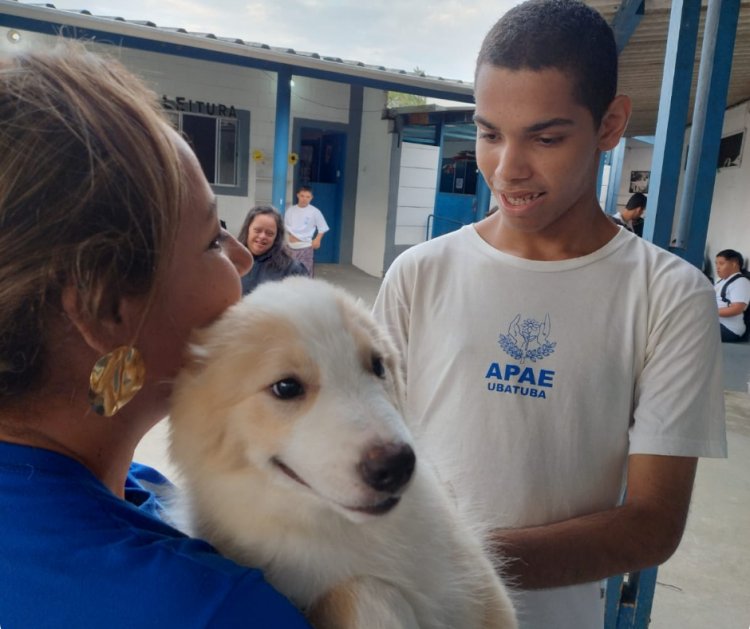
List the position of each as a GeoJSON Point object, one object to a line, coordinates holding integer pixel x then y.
{"type": "Point", "coordinates": [642, 60]}
{"type": "Point", "coordinates": [305, 62]}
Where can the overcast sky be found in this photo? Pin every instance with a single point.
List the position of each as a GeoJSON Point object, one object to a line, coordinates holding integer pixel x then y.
{"type": "Point", "coordinates": [441, 37]}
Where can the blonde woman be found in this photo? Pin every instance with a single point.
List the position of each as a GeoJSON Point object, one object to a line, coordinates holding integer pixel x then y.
{"type": "Point", "coordinates": [110, 254]}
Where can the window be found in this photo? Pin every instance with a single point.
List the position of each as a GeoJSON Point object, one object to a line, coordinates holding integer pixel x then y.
{"type": "Point", "coordinates": [214, 141]}
{"type": "Point", "coordinates": [221, 142]}
{"type": "Point", "coordinates": [420, 134]}
{"type": "Point", "coordinates": [458, 166]}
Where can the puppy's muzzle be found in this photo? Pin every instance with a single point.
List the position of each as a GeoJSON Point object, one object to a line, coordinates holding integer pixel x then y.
{"type": "Point", "coordinates": [387, 467]}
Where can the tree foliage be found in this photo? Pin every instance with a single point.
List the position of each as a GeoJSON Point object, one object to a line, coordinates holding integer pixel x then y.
{"type": "Point", "coordinates": [403, 99]}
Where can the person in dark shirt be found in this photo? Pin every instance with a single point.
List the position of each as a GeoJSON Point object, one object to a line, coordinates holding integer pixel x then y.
{"type": "Point", "coordinates": [264, 235]}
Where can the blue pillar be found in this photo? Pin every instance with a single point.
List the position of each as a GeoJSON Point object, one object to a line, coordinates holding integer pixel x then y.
{"type": "Point", "coordinates": [626, 20]}
{"type": "Point", "coordinates": [670, 125]}
{"type": "Point", "coordinates": [281, 138]}
{"type": "Point", "coordinates": [705, 134]}
{"type": "Point", "coordinates": [615, 173]}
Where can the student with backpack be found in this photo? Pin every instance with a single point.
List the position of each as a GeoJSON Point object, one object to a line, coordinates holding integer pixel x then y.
{"type": "Point", "coordinates": [732, 296]}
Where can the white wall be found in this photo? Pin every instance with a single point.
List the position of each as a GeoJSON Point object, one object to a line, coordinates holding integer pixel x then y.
{"type": "Point", "coordinates": [244, 88]}
{"type": "Point", "coordinates": [638, 156]}
{"type": "Point", "coordinates": [729, 226]}
{"type": "Point", "coordinates": [373, 185]}
{"type": "Point", "coordinates": [416, 192]}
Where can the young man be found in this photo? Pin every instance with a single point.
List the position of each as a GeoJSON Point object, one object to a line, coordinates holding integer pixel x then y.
{"type": "Point", "coordinates": [732, 295]}
{"type": "Point", "coordinates": [630, 217]}
{"type": "Point", "coordinates": [550, 357]}
{"type": "Point", "coordinates": [306, 226]}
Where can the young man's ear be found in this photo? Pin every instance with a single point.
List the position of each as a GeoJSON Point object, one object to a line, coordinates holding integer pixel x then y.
{"type": "Point", "coordinates": [614, 122]}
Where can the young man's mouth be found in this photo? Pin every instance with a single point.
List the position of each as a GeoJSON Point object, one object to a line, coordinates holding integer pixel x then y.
{"type": "Point", "coordinates": [520, 199]}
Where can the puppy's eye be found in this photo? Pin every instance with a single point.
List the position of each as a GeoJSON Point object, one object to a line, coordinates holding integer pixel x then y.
{"type": "Point", "coordinates": [377, 366]}
{"type": "Point", "coordinates": [287, 389]}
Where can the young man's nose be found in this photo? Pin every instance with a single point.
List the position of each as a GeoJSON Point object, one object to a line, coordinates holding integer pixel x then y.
{"type": "Point", "coordinates": [512, 163]}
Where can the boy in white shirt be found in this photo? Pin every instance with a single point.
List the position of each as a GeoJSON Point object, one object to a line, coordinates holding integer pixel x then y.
{"type": "Point", "coordinates": [552, 358]}
{"type": "Point", "coordinates": [732, 295]}
{"type": "Point", "coordinates": [305, 225]}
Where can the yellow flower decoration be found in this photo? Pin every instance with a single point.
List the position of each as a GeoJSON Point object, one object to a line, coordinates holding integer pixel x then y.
{"type": "Point", "coordinates": [293, 158]}
{"type": "Point", "coordinates": [258, 155]}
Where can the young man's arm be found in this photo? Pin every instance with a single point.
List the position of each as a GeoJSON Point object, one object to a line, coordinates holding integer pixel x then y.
{"type": "Point", "coordinates": [733, 309]}
{"type": "Point", "coordinates": [317, 240]}
{"type": "Point", "coordinates": [643, 532]}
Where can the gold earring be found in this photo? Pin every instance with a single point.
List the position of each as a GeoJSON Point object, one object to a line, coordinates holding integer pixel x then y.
{"type": "Point", "coordinates": [115, 379]}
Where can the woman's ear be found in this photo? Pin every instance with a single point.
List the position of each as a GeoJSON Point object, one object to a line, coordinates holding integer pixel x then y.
{"type": "Point", "coordinates": [614, 122]}
{"type": "Point", "coordinates": [116, 323]}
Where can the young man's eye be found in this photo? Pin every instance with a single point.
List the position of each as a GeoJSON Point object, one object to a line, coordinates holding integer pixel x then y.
{"type": "Point", "coordinates": [549, 141]}
{"type": "Point", "coordinates": [487, 135]}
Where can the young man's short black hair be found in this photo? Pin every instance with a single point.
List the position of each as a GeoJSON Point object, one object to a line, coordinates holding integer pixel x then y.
{"type": "Point", "coordinates": [731, 254]}
{"type": "Point", "coordinates": [637, 200]}
{"type": "Point", "coordinates": [566, 35]}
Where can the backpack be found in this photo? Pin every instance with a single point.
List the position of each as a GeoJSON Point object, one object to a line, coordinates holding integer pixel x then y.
{"type": "Point", "coordinates": [746, 314]}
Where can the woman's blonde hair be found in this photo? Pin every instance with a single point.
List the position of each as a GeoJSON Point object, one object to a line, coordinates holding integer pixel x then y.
{"type": "Point", "coordinates": [90, 195]}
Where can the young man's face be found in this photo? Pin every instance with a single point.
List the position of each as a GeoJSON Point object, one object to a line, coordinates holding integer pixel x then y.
{"type": "Point", "coordinates": [303, 198]}
{"type": "Point", "coordinates": [537, 147]}
{"type": "Point", "coordinates": [631, 215]}
{"type": "Point", "coordinates": [725, 267]}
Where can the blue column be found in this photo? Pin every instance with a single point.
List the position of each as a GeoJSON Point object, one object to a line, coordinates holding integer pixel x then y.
{"type": "Point", "coordinates": [626, 20]}
{"type": "Point", "coordinates": [705, 134]}
{"type": "Point", "coordinates": [281, 138]}
{"type": "Point", "coordinates": [615, 173]}
{"type": "Point", "coordinates": [670, 124]}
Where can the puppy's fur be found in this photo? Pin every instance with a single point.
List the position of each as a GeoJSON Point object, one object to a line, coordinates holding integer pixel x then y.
{"type": "Point", "coordinates": [286, 425]}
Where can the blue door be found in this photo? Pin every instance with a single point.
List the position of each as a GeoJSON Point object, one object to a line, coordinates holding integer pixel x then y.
{"type": "Point", "coordinates": [322, 156]}
{"type": "Point", "coordinates": [461, 194]}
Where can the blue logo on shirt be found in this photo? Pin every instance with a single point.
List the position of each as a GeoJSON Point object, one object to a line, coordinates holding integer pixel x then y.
{"type": "Point", "coordinates": [527, 339]}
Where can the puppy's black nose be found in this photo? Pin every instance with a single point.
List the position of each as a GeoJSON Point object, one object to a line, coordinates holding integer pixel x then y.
{"type": "Point", "coordinates": [387, 467]}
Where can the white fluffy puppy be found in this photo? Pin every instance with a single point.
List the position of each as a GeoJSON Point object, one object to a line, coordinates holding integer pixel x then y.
{"type": "Point", "coordinates": [286, 425]}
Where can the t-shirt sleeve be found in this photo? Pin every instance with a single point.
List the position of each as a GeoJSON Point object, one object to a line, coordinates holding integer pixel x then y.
{"type": "Point", "coordinates": [679, 398]}
{"type": "Point", "coordinates": [320, 222]}
{"type": "Point", "coordinates": [391, 308]}
{"type": "Point", "coordinates": [739, 291]}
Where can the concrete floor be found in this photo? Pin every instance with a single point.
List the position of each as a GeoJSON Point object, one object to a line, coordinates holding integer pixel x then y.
{"type": "Point", "coordinates": [705, 584]}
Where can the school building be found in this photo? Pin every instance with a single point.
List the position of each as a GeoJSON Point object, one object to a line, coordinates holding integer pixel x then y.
{"type": "Point", "coordinates": [265, 120]}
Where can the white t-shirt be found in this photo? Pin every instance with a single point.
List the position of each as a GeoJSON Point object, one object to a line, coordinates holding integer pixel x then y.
{"type": "Point", "coordinates": [737, 291]}
{"type": "Point", "coordinates": [529, 382]}
{"type": "Point", "coordinates": [620, 220]}
{"type": "Point", "coordinates": [302, 223]}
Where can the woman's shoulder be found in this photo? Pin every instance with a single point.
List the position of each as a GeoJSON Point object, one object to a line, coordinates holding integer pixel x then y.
{"type": "Point", "coordinates": [66, 533]}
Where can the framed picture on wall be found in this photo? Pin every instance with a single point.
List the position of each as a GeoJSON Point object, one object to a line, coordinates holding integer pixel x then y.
{"type": "Point", "coordinates": [639, 181]}
{"type": "Point", "coordinates": [730, 150]}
